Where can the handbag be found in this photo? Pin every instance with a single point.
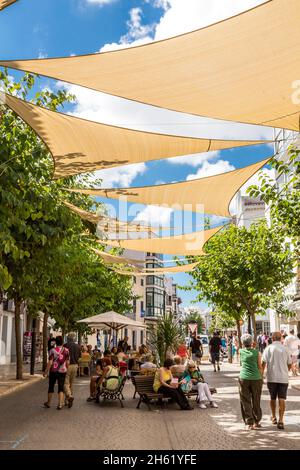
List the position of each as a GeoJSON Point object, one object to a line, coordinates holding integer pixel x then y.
{"type": "Point", "coordinates": [187, 385]}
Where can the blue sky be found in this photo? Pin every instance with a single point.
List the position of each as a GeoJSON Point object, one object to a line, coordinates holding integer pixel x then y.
{"type": "Point", "coordinates": [51, 28]}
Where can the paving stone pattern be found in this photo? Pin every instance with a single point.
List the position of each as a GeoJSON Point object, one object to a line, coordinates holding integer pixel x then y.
{"type": "Point", "coordinates": [25, 424]}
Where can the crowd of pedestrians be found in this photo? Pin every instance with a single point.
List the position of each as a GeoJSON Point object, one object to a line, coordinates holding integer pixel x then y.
{"type": "Point", "coordinates": [272, 356]}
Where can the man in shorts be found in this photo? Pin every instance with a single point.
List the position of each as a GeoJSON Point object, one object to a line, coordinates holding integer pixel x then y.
{"type": "Point", "coordinates": [278, 361]}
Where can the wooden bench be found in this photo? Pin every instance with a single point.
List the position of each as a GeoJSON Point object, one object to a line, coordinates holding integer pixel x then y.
{"type": "Point", "coordinates": [144, 387]}
{"type": "Point", "coordinates": [111, 394]}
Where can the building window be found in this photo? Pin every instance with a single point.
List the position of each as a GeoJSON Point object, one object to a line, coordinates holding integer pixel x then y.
{"type": "Point", "coordinates": [142, 337]}
{"type": "Point", "coordinates": [134, 279]}
{"type": "Point", "coordinates": [134, 305]}
{"type": "Point", "coordinates": [142, 282]}
{"type": "Point", "coordinates": [155, 280]}
{"type": "Point", "coordinates": [142, 305]}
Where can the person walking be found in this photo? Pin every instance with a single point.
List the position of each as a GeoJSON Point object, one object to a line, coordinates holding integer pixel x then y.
{"type": "Point", "coordinates": [229, 348]}
{"type": "Point", "coordinates": [196, 348]}
{"type": "Point", "coordinates": [292, 343]}
{"type": "Point", "coordinates": [56, 369]}
{"type": "Point", "coordinates": [250, 383]}
{"type": "Point", "coordinates": [74, 351]}
{"type": "Point", "coordinates": [278, 361]}
{"type": "Point", "coordinates": [214, 349]}
{"type": "Point", "coordinates": [260, 342]}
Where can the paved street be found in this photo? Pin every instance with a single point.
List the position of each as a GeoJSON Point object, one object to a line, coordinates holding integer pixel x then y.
{"type": "Point", "coordinates": [25, 424]}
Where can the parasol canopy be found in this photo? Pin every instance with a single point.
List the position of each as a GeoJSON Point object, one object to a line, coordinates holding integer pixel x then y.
{"type": "Point", "coordinates": [112, 320]}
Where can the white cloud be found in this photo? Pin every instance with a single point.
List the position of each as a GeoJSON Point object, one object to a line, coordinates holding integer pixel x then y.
{"type": "Point", "coordinates": [42, 54]}
{"type": "Point", "coordinates": [136, 35]}
{"type": "Point", "coordinates": [155, 215]}
{"type": "Point", "coordinates": [189, 15]}
{"type": "Point", "coordinates": [193, 160]}
{"type": "Point", "coordinates": [121, 176]}
{"type": "Point", "coordinates": [210, 169]}
{"type": "Point", "coordinates": [164, 4]}
{"type": "Point", "coordinates": [101, 3]}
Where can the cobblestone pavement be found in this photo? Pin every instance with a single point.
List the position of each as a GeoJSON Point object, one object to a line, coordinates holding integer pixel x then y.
{"type": "Point", "coordinates": [25, 424]}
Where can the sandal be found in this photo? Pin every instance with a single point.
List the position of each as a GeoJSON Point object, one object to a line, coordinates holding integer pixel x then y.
{"type": "Point", "coordinates": [280, 425]}
{"type": "Point", "coordinates": [252, 427]}
{"type": "Point", "coordinates": [46, 404]}
{"type": "Point", "coordinates": [274, 420]}
{"type": "Point", "coordinates": [59, 407]}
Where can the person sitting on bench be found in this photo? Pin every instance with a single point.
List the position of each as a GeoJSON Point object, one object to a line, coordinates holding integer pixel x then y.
{"type": "Point", "coordinates": [164, 383]}
{"type": "Point", "coordinates": [193, 374]}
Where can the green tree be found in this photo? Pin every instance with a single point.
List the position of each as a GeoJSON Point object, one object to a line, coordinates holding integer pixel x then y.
{"type": "Point", "coordinates": [165, 336]}
{"type": "Point", "coordinates": [194, 316]}
{"type": "Point", "coordinates": [244, 270]}
{"type": "Point", "coordinates": [75, 284]}
{"type": "Point", "coordinates": [283, 200]}
{"type": "Point", "coordinates": [33, 218]}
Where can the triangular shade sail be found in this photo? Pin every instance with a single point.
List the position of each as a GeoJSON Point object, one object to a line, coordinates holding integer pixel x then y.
{"type": "Point", "coordinates": [79, 146]}
{"type": "Point", "coordinates": [112, 320]}
{"type": "Point", "coordinates": [6, 3]}
{"type": "Point", "coordinates": [185, 245]}
{"type": "Point", "coordinates": [108, 224]}
{"type": "Point", "coordinates": [171, 270]}
{"type": "Point", "coordinates": [210, 195]}
{"type": "Point", "coordinates": [240, 69]}
{"type": "Point", "coordinates": [115, 259]}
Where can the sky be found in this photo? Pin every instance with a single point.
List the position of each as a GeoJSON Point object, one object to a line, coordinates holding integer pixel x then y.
{"type": "Point", "coordinates": [54, 28]}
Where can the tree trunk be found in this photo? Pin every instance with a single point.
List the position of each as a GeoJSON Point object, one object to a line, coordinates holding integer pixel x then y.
{"type": "Point", "coordinates": [45, 341]}
{"type": "Point", "coordinates": [254, 332]}
{"type": "Point", "coordinates": [238, 328]}
{"type": "Point", "coordinates": [33, 347]}
{"type": "Point", "coordinates": [19, 371]}
{"type": "Point", "coordinates": [249, 325]}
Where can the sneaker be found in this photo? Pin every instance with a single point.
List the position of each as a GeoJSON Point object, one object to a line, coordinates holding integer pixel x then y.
{"type": "Point", "coordinates": [202, 406]}
{"type": "Point", "coordinates": [70, 402]}
{"type": "Point", "coordinates": [213, 405]}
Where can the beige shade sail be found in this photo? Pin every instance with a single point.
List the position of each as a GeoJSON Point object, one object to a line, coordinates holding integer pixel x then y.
{"type": "Point", "coordinates": [116, 259]}
{"type": "Point", "coordinates": [186, 268]}
{"type": "Point", "coordinates": [6, 3]}
{"type": "Point", "coordinates": [79, 146]}
{"type": "Point", "coordinates": [106, 223]}
{"type": "Point", "coordinates": [242, 69]}
{"type": "Point", "coordinates": [186, 245]}
{"type": "Point", "coordinates": [209, 195]}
